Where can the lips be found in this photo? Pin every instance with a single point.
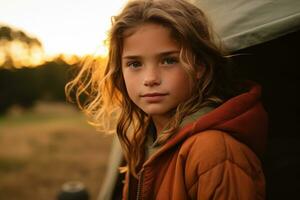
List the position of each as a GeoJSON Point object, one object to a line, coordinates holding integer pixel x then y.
{"type": "Point", "coordinates": [154, 97]}
{"type": "Point", "coordinates": [153, 94]}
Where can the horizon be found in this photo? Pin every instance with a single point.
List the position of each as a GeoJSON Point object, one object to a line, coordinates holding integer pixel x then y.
{"type": "Point", "coordinates": [63, 27]}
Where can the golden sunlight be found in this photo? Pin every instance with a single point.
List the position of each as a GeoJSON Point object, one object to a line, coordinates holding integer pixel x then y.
{"type": "Point", "coordinates": [63, 27]}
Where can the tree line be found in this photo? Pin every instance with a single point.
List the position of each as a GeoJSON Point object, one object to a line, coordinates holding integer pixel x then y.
{"type": "Point", "coordinates": [23, 81]}
{"type": "Point", "coordinates": [25, 86]}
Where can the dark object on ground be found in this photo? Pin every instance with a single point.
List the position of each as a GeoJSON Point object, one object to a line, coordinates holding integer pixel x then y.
{"type": "Point", "coordinates": [73, 190]}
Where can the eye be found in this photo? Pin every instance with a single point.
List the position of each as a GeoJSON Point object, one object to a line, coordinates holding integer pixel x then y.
{"type": "Point", "coordinates": [170, 61]}
{"type": "Point", "coordinates": [134, 64]}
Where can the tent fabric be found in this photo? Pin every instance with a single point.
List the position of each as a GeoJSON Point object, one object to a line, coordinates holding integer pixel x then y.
{"type": "Point", "coordinates": [244, 23]}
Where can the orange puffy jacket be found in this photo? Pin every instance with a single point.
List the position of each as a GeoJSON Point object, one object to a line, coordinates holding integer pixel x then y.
{"type": "Point", "coordinates": [214, 157]}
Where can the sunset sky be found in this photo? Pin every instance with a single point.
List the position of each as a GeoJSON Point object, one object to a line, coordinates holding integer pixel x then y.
{"type": "Point", "coordinates": [63, 26]}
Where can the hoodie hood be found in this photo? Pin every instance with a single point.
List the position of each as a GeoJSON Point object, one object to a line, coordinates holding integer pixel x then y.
{"type": "Point", "coordinates": [242, 117]}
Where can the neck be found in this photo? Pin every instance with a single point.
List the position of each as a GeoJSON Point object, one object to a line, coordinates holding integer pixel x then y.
{"type": "Point", "coordinates": [160, 122]}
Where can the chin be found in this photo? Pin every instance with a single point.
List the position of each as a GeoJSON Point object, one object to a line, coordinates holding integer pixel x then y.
{"type": "Point", "coordinates": [157, 112]}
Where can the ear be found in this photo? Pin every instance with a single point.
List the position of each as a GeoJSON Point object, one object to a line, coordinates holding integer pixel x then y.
{"type": "Point", "coordinates": [199, 71]}
{"type": "Point", "coordinates": [198, 75]}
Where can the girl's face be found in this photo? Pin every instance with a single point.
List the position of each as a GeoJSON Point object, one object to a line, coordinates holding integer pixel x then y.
{"type": "Point", "coordinates": [154, 76]}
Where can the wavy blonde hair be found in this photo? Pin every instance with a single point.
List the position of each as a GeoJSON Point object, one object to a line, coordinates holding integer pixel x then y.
{"type": "Point", "coordinates": [106, 99]}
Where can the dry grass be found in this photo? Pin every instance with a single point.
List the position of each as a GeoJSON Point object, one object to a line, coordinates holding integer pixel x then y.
{"type": "Point", "coordinates": [43, 148]}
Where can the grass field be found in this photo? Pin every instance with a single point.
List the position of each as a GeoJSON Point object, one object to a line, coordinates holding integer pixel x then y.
{"type": "Point", "coordinates": [43, 148]}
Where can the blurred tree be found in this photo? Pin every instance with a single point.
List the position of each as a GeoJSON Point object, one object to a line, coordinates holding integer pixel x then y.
{"type": "Point", "coordinates": [25, 86]}
{"type": "Point", "coordinates": [18, 49]}
{"type": "Point", "coordinates": [24, 78]}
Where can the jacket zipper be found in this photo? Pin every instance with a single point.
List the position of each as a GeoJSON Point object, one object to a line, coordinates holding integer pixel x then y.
{"type": "Point", "coordinates": [140, 183]}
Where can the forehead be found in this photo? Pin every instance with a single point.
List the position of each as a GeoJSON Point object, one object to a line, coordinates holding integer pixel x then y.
{"type": "Point", "coordinates": [147, 38]}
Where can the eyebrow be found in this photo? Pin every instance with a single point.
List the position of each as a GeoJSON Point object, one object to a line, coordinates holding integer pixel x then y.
{"type": "Point", "coordinates": [157, 55]}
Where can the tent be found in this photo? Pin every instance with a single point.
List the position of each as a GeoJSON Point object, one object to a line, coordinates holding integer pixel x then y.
{"type": "Point", "coordinates": [265, 36]}
{"type": "Point", "coordinates": [242, 23]}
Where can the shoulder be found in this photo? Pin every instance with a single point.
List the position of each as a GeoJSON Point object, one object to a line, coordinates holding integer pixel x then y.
{"type": "Point", "coordinates": [207, 150]}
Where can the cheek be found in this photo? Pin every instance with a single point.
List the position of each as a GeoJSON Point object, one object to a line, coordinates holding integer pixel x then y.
{"type": "Point", "coordinates": [130, 84]}
{"type": "Point", "coordinates": [182, 83]}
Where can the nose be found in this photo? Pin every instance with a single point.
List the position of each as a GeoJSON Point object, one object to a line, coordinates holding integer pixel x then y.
{"type": "Point", "coordinates": [152, 77]}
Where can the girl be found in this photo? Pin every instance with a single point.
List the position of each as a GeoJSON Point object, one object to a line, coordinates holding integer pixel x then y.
{"type": "Point", "coordinates": [187, 131]}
